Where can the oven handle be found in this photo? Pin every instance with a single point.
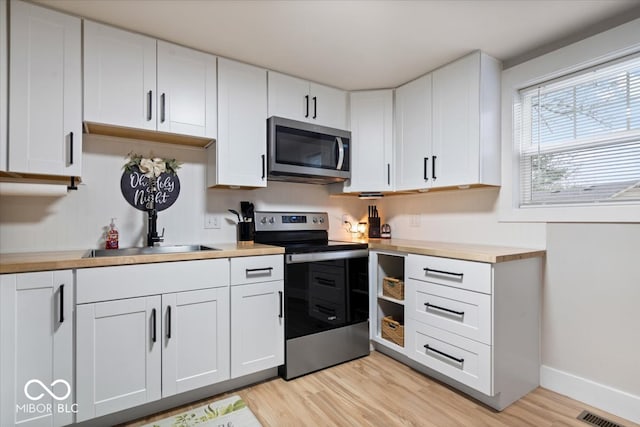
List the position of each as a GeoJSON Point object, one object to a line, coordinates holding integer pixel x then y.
{"type": "Point", "coordinates": [326, 256]}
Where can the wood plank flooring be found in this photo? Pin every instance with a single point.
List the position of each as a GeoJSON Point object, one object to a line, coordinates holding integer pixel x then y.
{"type": "Point", "coordinates": [379, 391]}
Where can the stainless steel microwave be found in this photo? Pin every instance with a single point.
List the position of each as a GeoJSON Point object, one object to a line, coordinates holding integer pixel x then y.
{"type": "Point", "coordinates": [305, 152]}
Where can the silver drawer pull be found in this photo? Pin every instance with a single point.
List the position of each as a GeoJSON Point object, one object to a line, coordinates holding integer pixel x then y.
{"type": "Point", "coordinates": [431, 270]}
{"type": "Point", "coordinates": [448, 310]}
{"type": "Point", "coordinates": [442, 353]}
{"type": "Point", "coordinates": [258, 270]}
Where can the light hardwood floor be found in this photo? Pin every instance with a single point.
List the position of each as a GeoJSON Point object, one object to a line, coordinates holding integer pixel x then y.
{"type": "Point", "coordinates": [379, 391]}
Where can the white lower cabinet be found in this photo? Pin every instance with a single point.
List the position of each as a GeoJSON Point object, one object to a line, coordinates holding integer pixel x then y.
{"type": "Point", "coordinates": [473, 324]}
{"type": "Point", "coordinates": [462, 359]}
{"type": "Point", "coordinates": [257, 314]}
{"type": "Point", "coordinates": [36, 349]}
{"type": "Point", "coordinates": [195, 339]}
{"type": "Point", "coordinates": [118, 355]}
{"type": "Point", "coordinates": [172, 338]}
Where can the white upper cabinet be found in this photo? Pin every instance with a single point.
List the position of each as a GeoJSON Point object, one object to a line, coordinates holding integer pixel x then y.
{"type": "Point", "coordinates": [135, 81]}
{"type": "Point", "coordinates": [238, 158]}
{"type": "Point", "coordinates": [298, 99]}
{"type": "Point", "coordinates": [328, 106]}
{"type": "Point", "coordinates": [372, 167]}
{"type": "Point", "coordinates": [45, 124]}
{"type": "Point", "coordinates": [187, 101]}
{"type": "Point", "coordinates": [119, 77]}
{"type": "Point", "coordinates": [448, 126]}
{"type": "Point", "coordinates": [466, 122]}
{"type": "Point", "coordinates": [413, 134]}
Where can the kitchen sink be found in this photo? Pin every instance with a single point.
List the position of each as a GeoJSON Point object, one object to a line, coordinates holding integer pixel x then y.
{"type": "Point", "coordinates": [147, 250]}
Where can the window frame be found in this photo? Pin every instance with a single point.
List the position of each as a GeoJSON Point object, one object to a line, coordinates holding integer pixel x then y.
{"type": "Point", "coordinates": [608, 46]}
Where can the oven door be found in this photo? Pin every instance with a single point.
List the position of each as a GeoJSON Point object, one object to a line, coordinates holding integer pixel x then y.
{"type": "Point", "coordinates": [325, 290]}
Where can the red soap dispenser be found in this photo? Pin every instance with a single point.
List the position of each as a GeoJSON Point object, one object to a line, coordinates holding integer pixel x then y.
{"type": "Point", "coordinates": [112, 236]}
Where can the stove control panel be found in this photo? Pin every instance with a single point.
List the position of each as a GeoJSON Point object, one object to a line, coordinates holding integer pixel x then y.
{"type": "Point", "coordinates": [291, 221]}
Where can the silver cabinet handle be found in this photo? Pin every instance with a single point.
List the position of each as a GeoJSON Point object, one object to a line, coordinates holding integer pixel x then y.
{"type": "Point", "coordinates": [340, 153]}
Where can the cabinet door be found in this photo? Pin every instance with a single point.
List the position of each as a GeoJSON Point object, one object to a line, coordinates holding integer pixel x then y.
{"type": "Point", "coordinates": [36, 348]}
{"type": "Point", "coordinates": [328, 106]}
{"type": "Point", "coordinates": [45, 130]}
{"type": "Point", "coordinates": [456, 122]}
{"type": "Point", "coordinates": [371, 145]}
{"type": "Point", "coordinates": [196, 339]}
{"type": "Point", "coordinates": [241, 148]}
{"type": "Point", "coordinates": [257, 327]}
{"type": "Point", "coordinates": [118, 355]}
{"type": "Point", "coordinates": [289, 97]}
{"type": "Point", "coordinates": [119, 77]}
{"type": "Point", "coordinates": [413, 135]}
{"type": "Point", "coordinates": [187, 91]}
{"type": "Point", "coordinates": [4, 100]}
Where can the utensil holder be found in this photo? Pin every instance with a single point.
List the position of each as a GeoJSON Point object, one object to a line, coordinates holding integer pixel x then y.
{"type": "Point", "coordinates": [246, 231]}
{"type": "Point", "coordinates": [374, 227]}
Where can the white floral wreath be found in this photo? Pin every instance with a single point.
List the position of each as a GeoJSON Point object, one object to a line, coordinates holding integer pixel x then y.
{"type": "Point", "coordinates": [151, 167]}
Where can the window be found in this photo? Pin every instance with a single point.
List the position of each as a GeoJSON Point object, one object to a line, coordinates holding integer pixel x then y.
{"type": "Point", "coordinates": [578, 137]}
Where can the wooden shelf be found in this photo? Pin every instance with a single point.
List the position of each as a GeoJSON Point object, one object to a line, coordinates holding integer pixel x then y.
{"type": "Point", "coordinates": [393, 300]}
{"type": "Point", "coordinates": [146, 135]}
{"type": "Point", "coordinates": [393, 346]}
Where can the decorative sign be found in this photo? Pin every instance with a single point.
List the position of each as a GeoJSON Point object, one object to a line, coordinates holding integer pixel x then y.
{"type": "Point", "coordinates": [136, 190]}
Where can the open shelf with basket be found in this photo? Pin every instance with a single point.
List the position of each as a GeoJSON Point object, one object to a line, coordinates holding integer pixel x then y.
{"type": "Point", "coordinates": [388, 278]}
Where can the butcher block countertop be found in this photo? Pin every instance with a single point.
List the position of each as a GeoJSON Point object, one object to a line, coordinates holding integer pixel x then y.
{"type": "Point", "coordinates": [464, 251]}
{"type": "Point", "coordinates": [62, 260]}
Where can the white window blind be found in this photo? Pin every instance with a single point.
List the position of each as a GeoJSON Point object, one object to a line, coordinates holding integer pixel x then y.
{"type": "Point", "coordinates": [578, 137]}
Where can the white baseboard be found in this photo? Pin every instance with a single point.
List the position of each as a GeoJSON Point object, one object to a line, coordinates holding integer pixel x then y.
{"type": "Point", "coordinates": [603, 397]}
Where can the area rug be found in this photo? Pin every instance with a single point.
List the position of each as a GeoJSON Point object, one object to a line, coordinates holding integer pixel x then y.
{"type": "Point", "coordinates": [229, 412]}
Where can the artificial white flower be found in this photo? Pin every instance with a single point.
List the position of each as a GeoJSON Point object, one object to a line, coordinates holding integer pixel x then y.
{"type": "Point", "coordinates": [152, 167]}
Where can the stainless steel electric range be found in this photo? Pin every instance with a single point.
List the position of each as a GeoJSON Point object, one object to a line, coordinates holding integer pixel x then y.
{"type": "Point", "coordinates": [326, 291]}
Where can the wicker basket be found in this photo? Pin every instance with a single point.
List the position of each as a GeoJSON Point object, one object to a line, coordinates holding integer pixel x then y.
{"type": "Point", "coordinates": [392, 287]}
{"type": "Point", "coordinates": [393, 331]}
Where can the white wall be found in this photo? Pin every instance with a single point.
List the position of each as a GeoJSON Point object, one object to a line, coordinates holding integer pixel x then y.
{"type": "Point", "coordinates": [469, 216]}
{"type": "Point", "coordinates": [590, 321]}
{"type": "Point", "coordinates": [591, 317]}
{"type": "Point", "coordinates": [79, 220]}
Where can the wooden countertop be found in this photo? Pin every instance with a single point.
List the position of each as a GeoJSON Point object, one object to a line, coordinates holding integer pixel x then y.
{"type": "Point", "coordinates": [464, 251]}
{"type": "Point", "coordinates": [62, 260]}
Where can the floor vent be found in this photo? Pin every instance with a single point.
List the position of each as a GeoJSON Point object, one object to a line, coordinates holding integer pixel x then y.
{"type": "Point", "coordinates": [595, 420]}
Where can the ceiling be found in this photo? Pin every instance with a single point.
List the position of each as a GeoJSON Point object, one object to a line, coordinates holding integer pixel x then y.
{"type": "Point", "coordinates": [361, 44]}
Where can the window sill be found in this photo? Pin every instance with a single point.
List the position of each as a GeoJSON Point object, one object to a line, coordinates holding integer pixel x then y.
{"type": "Point", "coordinates": [602, 214]}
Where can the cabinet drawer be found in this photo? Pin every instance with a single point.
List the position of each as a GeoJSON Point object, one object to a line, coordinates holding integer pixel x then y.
{"type": "Point", "coordinates": [458, 311]}
{"type": "Point", "coordinates": [464, 360]}
{"type": "Point", "coordinates": [256, 269]}
{"type": "Point", "coordinates": [471, 275]}
{"type": "Point", "coordinates": [128, 281]}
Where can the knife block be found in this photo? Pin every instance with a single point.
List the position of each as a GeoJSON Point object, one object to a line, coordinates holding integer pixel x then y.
{"type": "Point", "coordinates": [374, 227]}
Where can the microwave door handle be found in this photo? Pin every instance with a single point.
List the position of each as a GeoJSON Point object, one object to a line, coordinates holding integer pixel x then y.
{"type": "Point", "coordinates": [340, 153]}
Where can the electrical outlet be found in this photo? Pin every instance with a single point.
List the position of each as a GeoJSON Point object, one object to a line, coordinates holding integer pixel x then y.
{"type": "Point", "coordinates": [212, 221]}
{"type": "Point", "coordinates": [414, 220]}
